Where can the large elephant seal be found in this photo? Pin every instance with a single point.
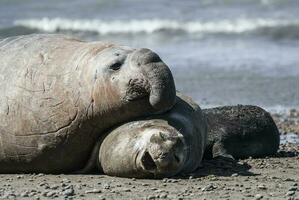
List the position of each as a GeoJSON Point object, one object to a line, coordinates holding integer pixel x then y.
{"type": "Point", "coordinates": [59, 94]}
{"type": "Point", "coordinates": [240, 131]}
{"type": "Point", "coordinates": [160, 146]}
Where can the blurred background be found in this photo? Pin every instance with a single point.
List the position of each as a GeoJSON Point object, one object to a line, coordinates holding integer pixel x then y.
{"type": "Point", "coordinates": [220, 51]}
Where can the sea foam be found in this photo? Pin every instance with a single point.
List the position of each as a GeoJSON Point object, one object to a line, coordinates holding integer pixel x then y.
{"type": "Point", "coordinates": [152, 25]}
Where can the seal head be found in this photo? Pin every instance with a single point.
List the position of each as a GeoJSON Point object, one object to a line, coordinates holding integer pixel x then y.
{"type": "Point", "coordinates": [151, 152]}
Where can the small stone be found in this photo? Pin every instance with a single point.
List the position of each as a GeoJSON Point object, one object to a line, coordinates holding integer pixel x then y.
{"type": "Point", "coordinates": [290, 193]}
{"type": "Point", "coordinates": [289, 179]}
{"type": "Point", "coordinates": [54, 187]}
{"type": "Point", "coordinates": [68, 192]}
{"type": "Point", "coordinates": [235, 174]}
{"type": "Point", "coordinates": [101, 198]}
{"type": "Point", "coordinates": [262, 187]}
{"type": "Point", "coordinates": [20, 176]}
{"type": "Point", "coordinates": [292, 188]}
{"type": "Point", "coordinates": [93, 191]}
{"type": "Point", "coordinates": [50, 194]}
{"type": "Point", "coordinates": [208, 188]}
{"type": "Point", "coordinates": [24, 194]}
{"type": "Point", "coordinates": [258, 196]}
{"type": "Point", "coordinates": [106, 186]}
{"type": "Point", "coordinates": [40, 175]}
{"type": "Point", "coordinates": [65, 180]}
{"type": "Point", "coordinates": [151, 197]}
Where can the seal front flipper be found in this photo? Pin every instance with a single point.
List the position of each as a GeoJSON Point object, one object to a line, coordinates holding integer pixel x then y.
{"type": "Point", "coordinates": [93, 162]}
{"type": "Point", "coordinates": [219, 151]}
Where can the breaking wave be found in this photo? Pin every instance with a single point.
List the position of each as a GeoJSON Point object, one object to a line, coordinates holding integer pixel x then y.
{"type": "Point", "coordinates": [237, 26]}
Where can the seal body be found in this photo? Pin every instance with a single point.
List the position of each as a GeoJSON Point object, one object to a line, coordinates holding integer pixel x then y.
{"type": "Point", "coordinates": [240, 132]}
{"type": "Point", "coordinates": [158, 146]}
{"type": "Point", "coordinates": [59, 95]}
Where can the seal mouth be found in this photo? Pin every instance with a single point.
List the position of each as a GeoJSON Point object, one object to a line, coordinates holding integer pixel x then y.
{"type": "Point", "coordinates": [148, 162]}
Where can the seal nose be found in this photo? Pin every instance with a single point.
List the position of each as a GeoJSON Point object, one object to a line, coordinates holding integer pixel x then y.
{"type": "Point", "coordinates": [144, 56]}
{"type": "Point", "coordinates": [166, 163]}
{"type": "Point", "coordinates": [162, 87]}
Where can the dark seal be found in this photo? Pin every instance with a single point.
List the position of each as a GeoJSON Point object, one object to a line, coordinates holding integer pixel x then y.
{"type": "Point", "coordinates": [240, 131]}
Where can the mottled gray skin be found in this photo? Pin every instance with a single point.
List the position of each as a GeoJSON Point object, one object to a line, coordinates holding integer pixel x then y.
{"type": "Point", "coordinates": [160, 146]}
{"type": "Point", "coordinates": [59, 95]}
{"type": "Point", "coordinates": [240, 132]}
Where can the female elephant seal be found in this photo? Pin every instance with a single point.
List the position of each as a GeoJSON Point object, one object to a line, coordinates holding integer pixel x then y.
{"type": "Point", "coordinates": [177, 141]}
{"type": "Point", "coordinates": [59, 94]}
{"type": "Point", "coordinates": [160, 146]}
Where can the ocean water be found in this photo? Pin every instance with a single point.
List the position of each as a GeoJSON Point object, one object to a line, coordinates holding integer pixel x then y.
{"type": "Point", "coordinates": [221, 52]}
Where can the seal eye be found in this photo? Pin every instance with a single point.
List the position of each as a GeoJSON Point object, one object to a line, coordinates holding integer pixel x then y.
{"type": "Point", "coordinates": [115, 66]}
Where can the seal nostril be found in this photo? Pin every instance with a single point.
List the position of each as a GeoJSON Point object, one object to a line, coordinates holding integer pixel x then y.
{"type": "Point", "coordinates": [148, 162]}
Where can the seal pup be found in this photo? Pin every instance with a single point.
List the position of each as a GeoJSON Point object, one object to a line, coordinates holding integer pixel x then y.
{"type": "Point", "coordinates": [60, 94]}
{"type": "Point", "coordinates": [240, 131]}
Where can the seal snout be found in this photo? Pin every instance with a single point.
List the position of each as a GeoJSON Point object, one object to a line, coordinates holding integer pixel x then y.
{"type": "Point", "coordinates": [164, 155]}
{"type": "Point", "coordinates": [161, 87]}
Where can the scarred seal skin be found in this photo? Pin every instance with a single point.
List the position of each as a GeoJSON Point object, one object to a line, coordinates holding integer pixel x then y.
{"type": "Point", "coordinates": [240, 132]}
{"type": "Point", "coordinates": [156, 147]}
{"type": "Point", "coordinates": [60, 94]}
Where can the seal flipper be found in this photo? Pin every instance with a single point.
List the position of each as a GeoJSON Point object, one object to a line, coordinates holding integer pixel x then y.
{"type": "Point", "coordinates": [92, 164]}
{"type": "Point", "coordinates": [218, 151]}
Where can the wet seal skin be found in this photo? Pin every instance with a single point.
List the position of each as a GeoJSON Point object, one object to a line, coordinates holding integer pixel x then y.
{"type": "Point", "coordinates": [60, 94]}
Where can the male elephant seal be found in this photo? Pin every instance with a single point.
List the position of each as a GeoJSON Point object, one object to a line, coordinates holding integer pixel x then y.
{"type": "Point", "coordinates": [59, 94]}
{"type": "Point", "coordinates": [160, 146]}
{"type": "Point", "coordinates": [174, 143]}
{"type": "Point", "coordinates": [240, 131]}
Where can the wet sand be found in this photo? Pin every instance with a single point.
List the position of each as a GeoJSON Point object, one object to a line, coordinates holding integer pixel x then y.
{"type": "Point", "coordinates": [275, 177]}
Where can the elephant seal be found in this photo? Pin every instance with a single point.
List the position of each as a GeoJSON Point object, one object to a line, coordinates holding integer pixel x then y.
{"type": "Point", "coordinates": [240, 132]}
{"type": "Point", "coordinates": [60, 94]}
{"type": "Point", "coordinates": [177, 141]}
{"type": "Point", "coordinates": [158, 146]}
